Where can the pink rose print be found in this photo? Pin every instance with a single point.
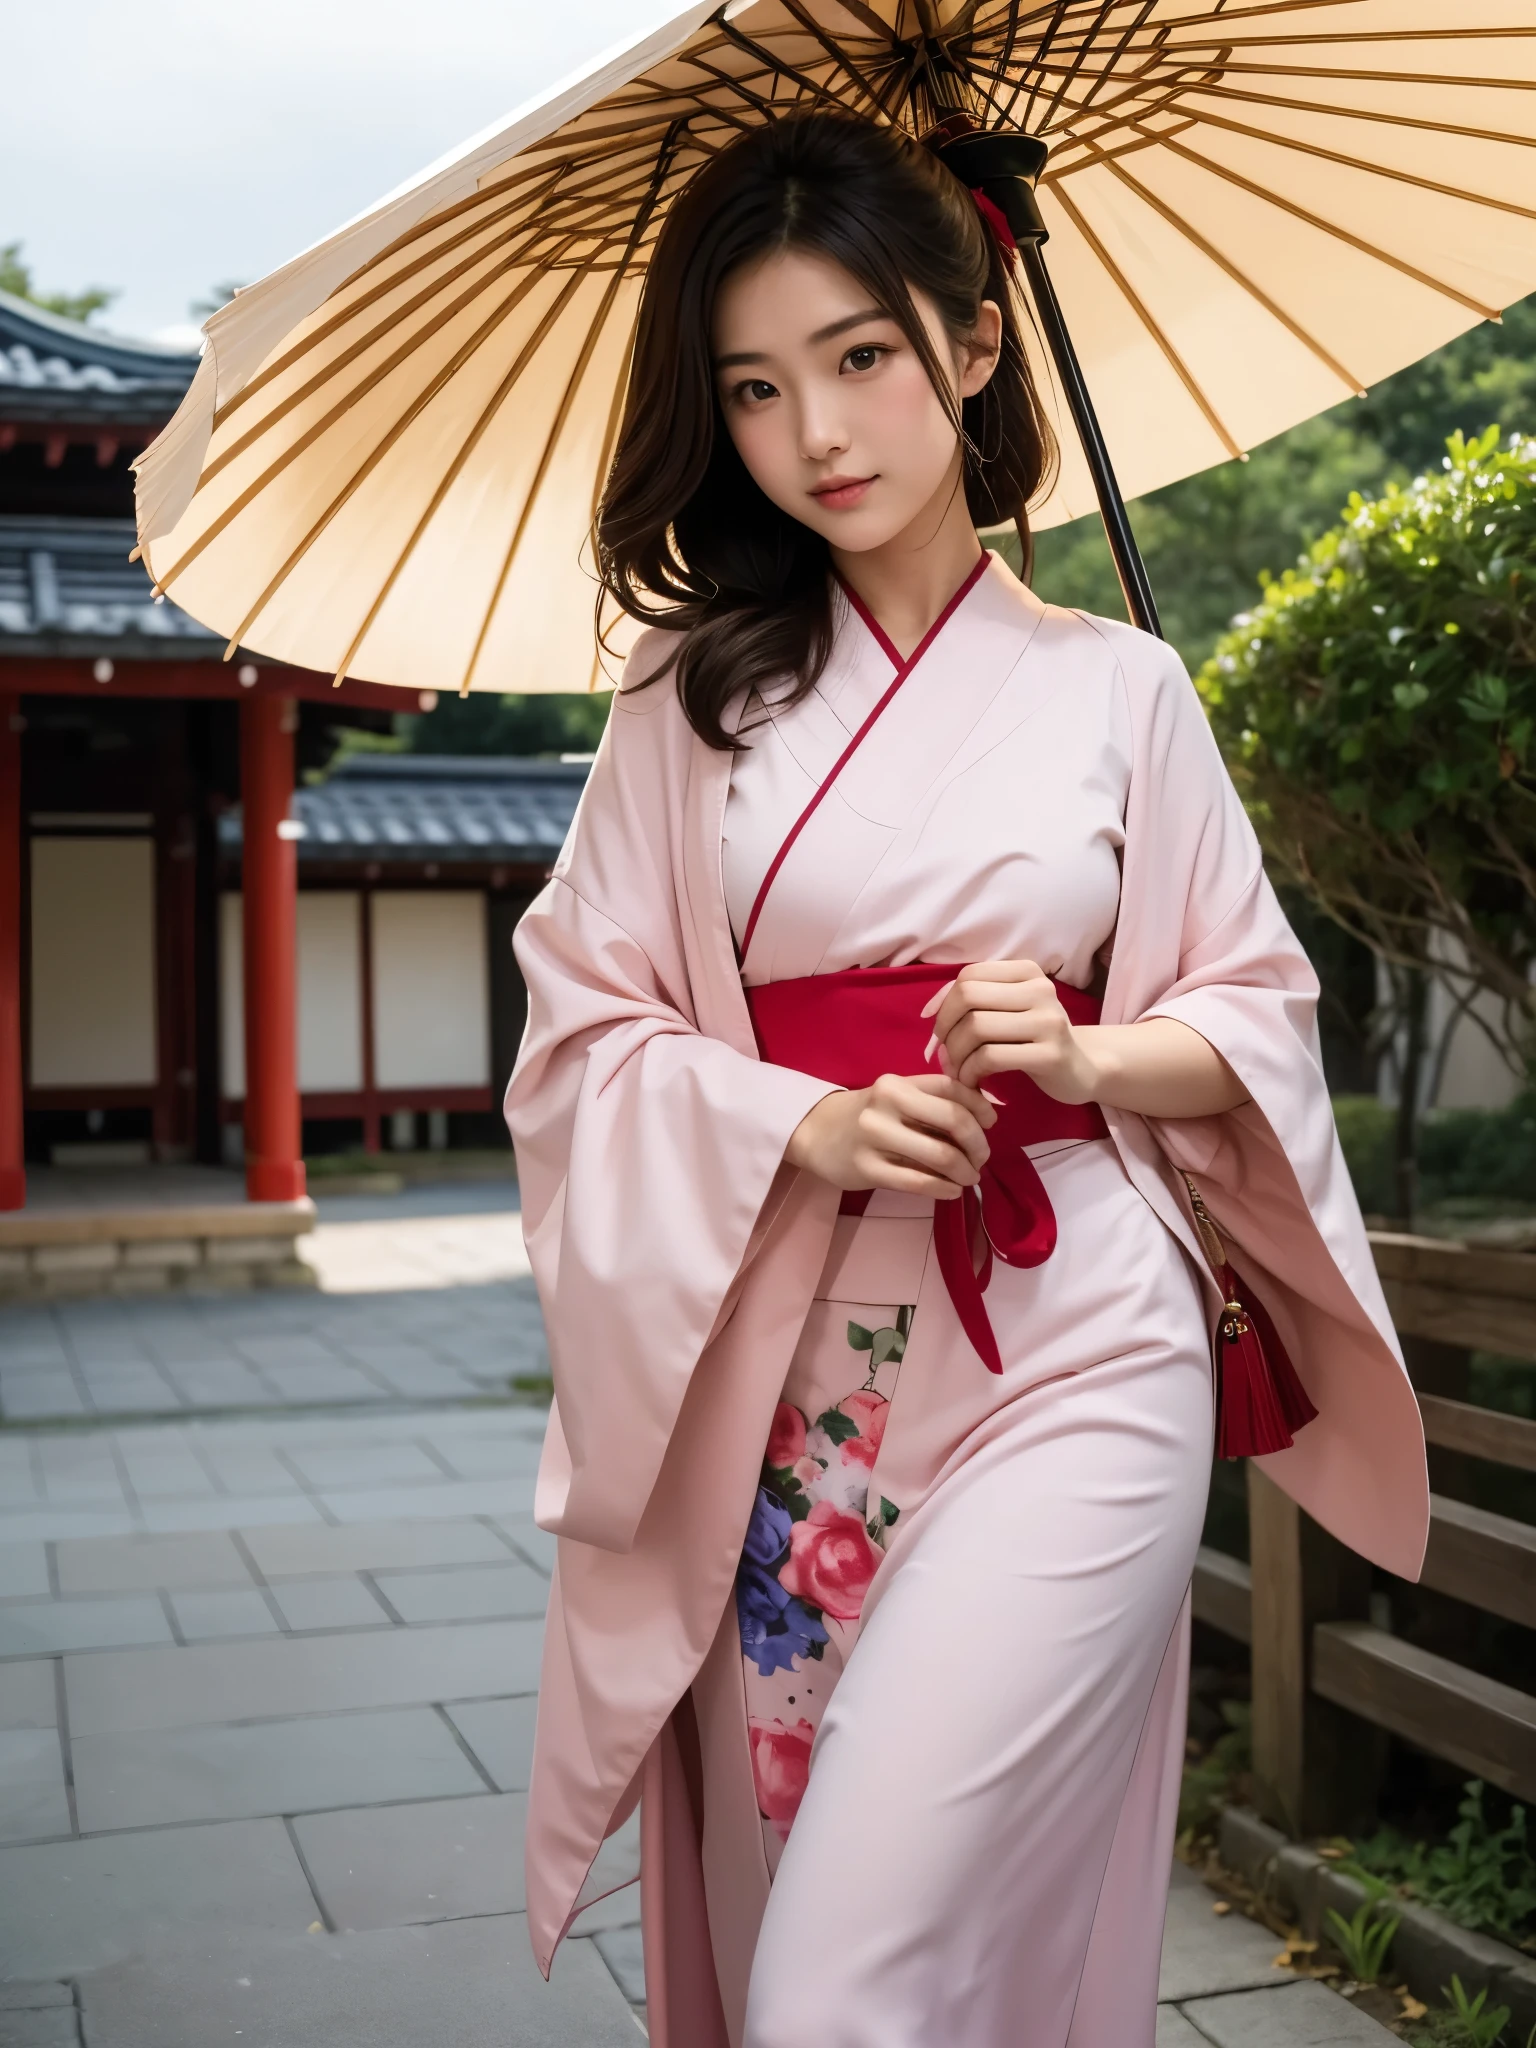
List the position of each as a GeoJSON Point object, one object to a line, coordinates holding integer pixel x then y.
{"type": "Point", "coordinates": [807, 1471]}
{"type": "Point", "coordinates": [867, 1411]}
{"type": "Point", "coordinates": [831, 1562]}
{"type": "Point", "coordinates": [781, 1765]}
{"type": "Point", "coordinates": [786, 1439]}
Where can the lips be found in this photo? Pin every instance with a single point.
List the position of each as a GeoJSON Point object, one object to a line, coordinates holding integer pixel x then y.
{"type": "Point", "coordinates": [840, 493]}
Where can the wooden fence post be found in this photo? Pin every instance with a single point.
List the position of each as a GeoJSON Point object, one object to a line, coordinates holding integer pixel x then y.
{"type": "Point", "coordinates": [1316, 1768]}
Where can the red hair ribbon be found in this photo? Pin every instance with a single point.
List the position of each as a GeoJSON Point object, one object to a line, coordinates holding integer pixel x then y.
{"type": "Point", "coordinates": [996, 220]}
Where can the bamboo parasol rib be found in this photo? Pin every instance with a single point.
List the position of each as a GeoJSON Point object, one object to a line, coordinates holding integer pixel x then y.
{"type": "Point", "coordinates": [389, 461]}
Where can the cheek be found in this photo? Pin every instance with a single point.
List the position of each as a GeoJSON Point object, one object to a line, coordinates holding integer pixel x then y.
{"type": "Point", "coordinates": [903, 414]}
{"type": "Point", "coordinates": [765, 442]}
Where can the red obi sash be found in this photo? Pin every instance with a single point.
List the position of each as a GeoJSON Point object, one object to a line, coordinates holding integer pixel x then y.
{"type": "Point", "coordinates": [855, 1026]}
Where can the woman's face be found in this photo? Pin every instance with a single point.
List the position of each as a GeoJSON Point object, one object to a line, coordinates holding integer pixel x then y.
{"type": "Point", "coordinates": [829, 404]}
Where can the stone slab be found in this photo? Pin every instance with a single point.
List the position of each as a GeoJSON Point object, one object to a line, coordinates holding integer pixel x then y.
{"type": "Point", "coordinates": [29, 1695]}
{"type": "Point", "coordinates": [329, 1604]}
{"type": "Point", "coordinates": [535, 1544]}
{"type": "Point", "coordinates": [144, 1563]}
{"type": "Point", "coordinates": [54, 2027]}
{"type": "Point", "coordinates": [1304, 2015]}
{"type": "Point", "coordinates": [23, 1570]}
{"type": "Point", "coordinates": [621, 1949]}
{"type": "Point", "coordinates": [269, 1767]}
{"type": "Point", "coordinates": [45, 1627]}
{"type": "Point", "coordinates": [121, 1691]}
{"type": "Point", "coordinates": [372, 1546]}
{"type": "Point", "coordinates": [366, 1465]}
{"type": "Point", "coordinates": [461, 1985]}
{"type": "Point", "coordinates": [166, 1517]}
{"type": "Point", "coordinates": [452, 1497]}
{"type": "Point", "coordinates": [1174, 2031]}
{"type": "Point", "coordinates": [1205, 1952]}
{"type": "Point", "coordinates": [396, 1866]}
{"type": "Point", "coordinates": [19, 1996]}
{"type": "Point", "coordinates": [483, 1592]}
{"type": "Point", "coordinates": [230, 1611]}
{"type": "Point", "coordinates": [500, 1732]}
{"type": "Point", "coordinates": [33, 1801]}
{"type": "Point", "coordinates": [67, 1907]}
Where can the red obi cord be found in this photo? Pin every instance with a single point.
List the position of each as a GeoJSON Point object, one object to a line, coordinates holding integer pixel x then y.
{"type": "Point", "coordinates": [867, 1021]}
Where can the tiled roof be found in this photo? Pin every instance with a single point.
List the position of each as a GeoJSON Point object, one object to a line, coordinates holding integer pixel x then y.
{"type": "Point", "coordinates": [57, 370]}
{"type": "Point", "coordinates": [412, 808]}
{"type": "Point", "coordinates": [68, 588]}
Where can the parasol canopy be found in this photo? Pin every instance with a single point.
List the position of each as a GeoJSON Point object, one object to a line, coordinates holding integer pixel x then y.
{"type": "Point", "coordinates": [388, 462]}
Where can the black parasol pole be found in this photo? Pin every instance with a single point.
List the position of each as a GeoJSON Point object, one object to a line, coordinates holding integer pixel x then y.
{"type": "Point", "coordinates": [1005, 167]}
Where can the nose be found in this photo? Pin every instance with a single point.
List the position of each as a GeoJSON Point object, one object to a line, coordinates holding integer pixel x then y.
{"type": "Point", "coordinates": [823, 429]}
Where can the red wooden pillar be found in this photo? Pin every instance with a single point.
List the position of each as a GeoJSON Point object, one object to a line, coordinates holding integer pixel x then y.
{"type": "Point", "coordinates": [274, 1164]}
{"type": "Point", "coordinates": [13, 1172]}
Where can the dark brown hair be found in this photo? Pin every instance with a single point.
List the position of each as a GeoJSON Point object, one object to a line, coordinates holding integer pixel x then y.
{"type": "Point", "coordinates": [685, 538]}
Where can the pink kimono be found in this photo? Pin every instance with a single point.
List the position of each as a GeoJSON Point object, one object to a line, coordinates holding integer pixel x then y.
{"type": "Point", "coordinates": [891, 1648]}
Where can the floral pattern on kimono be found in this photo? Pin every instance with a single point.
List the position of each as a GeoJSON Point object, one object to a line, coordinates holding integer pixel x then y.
{"type": "Point", "coordinates": [813, 1545]}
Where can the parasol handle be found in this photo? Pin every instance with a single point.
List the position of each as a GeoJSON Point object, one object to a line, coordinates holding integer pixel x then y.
{"type": "Point", "coordinates": [1005, 166]}
{"type": "Point", "coordinates": [1129, 566]}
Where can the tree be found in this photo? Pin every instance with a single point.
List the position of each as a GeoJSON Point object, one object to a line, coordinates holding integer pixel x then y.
{"type": "Point", "coordinates": [1210, 539]}
{"type": "Point", "coordinates": [1378, 708]}
{"type": "Point", "coordinates": [482, 724]}
{"type": "Point", "coordinates": [16, 278]}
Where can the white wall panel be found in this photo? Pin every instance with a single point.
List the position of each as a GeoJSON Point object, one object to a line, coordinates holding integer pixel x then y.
{"type": "Point", "coordinates": [431, 1008]}
{"type": "Point", "coordinates": [330, 992]}
{"type": "Point", "coordinates": [93, 963]}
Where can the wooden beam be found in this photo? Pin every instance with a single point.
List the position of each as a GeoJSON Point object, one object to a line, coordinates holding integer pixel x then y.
{"type": "Point", "coordinates": [196, 676]}
{"type": "Point", "coordinates": [1459, 1294]}
{"type": "Point", "coordinates": [1315, 1770]}
{"type": "Point", "coordinates": [1485, 1559]}
{"type": "Point", "coordinates": [1481, 1432]}
{"type": "Point", "coordinates": [1474, 1722]}
{"type": "Point", "coordinates": [1223, 1593]}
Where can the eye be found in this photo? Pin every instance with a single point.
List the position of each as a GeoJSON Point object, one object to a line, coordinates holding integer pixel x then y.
{"type": "Point", "coordinates": [864, 357]}
{"type": "Point", "coordinates": [754, 391]}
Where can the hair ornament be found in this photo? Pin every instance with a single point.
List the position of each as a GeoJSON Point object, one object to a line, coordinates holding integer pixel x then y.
{"type": "Point", "coordinates": [997, 221]}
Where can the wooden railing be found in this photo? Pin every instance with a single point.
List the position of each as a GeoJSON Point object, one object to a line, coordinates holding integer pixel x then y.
{"type": "Point", "coordinates": [1329, 1683]}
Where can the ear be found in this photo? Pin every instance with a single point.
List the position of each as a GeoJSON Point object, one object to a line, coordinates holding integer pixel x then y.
{"type": "Point", "coordinates": [980, 351]}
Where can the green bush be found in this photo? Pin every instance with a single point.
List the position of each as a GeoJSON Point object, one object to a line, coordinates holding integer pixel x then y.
{"type": "Point", "coordinates": [1465, 1155]}
{"type": "Point", "coordinates": [1378, 707]}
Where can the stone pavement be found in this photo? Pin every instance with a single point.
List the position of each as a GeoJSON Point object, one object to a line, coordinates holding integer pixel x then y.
{"type": "Point", "coordinates": [267, 1677]}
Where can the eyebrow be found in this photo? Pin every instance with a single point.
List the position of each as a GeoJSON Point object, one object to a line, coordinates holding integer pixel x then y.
{"type": "Point", "coordinates": [822, 334]}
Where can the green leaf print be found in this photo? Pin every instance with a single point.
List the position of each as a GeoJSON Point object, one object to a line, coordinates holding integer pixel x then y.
{"type": "Point", "coordinates": [859, 1338]}
{"type": "Point", "coordinates": [888, 1511]}
{"type": "Point", "coordinates": [838, 1427]}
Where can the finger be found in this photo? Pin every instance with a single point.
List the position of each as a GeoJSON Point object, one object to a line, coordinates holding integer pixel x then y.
{"type": "Point", "coordinates": [974, 990]}
{"type": "Point", "coordinates": [998, 1027]}
{"type": "Point", "coordinates": [905, 1180]}
{"type": "Point", "coordinates": [913, 1092]}
{"type": "Point", "coordinates": [914, 1147]}
{"type": "Point", "coordinates": [960, 1113]}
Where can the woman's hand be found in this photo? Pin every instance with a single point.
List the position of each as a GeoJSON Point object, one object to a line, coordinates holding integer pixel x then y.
{"type": "Point", "coordinates": [1004, 1016]}
{"type": "Point", "coordinates": [920, 1135]}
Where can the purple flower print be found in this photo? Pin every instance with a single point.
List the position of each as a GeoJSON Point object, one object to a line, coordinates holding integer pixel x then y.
{"type": "Point", "coordinates": [775, 1627]}
{"type": "Point", "coordinates": [768, 1531]}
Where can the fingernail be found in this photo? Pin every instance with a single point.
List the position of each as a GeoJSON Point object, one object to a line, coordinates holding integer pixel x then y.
{"type": "Point", "coordinates": [934, 1001]}
{"type": "Point", "coordinates": [930, 1048]}
{"type": "Point", "coordinates": [995, 1100]}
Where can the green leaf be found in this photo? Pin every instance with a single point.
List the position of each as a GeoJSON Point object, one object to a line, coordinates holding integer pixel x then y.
{"type": "Point", "coordinates": [860, 1338]}
{"type": "Point", "coordinates": [888, 1511]}
{"type": "Point", "coordinates": [837, 1426]}
{"type": "Point", "coordinates": [1408, 696]}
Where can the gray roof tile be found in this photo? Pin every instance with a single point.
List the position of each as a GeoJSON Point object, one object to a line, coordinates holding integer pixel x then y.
{"type": "Point", "coordinates": [410, 808]}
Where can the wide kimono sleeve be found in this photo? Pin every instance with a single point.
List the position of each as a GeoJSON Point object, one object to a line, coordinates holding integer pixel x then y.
{"type": "Point", "coordinates": [649, 1152]}
{"type": "Point", "coordinates": [1202, 938]}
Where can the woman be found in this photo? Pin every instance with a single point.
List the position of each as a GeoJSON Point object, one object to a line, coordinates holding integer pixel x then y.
{"type": "Point", "coordinates": [909, 945]}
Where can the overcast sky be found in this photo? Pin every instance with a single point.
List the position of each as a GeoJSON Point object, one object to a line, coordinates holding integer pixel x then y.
{"type": "Point", "coordinates": [166, 146]}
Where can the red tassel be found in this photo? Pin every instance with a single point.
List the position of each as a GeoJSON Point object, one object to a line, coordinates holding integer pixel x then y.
{"type": "Point", "coordinates": [1259, 1399]}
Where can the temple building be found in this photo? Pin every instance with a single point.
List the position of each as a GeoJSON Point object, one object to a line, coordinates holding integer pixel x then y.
{"type": "Point", "coordinates": [203, 959]}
